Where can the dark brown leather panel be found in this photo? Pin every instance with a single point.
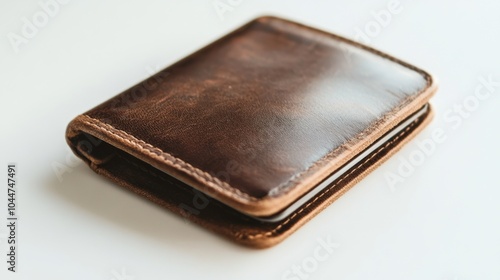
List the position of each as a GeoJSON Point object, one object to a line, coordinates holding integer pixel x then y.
{"type": "Point", "coordinates": [263, 104]}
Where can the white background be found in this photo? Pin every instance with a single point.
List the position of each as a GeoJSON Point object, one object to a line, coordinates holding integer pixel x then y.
{"type": "Point", "coordinates": [442, 222]}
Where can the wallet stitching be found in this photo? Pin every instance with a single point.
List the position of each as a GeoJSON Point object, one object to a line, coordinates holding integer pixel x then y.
{"type": "Point", "coordinates": [278, 227]}
{"type": "Point", "coordinates": [167, 158]}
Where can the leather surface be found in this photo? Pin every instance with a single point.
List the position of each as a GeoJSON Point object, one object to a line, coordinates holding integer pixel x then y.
{"type": "Point", "coordinates": [254, 120]}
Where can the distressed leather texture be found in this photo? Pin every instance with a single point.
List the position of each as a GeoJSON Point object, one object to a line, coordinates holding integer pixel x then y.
{"type": "Point", "coordinates": [251, 123]}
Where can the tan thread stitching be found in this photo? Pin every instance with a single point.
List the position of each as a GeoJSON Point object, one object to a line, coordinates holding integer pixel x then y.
{"type": "Point", "coordinates": [331, 187]}
{"type": "Point", "coordinates": [167, 158]}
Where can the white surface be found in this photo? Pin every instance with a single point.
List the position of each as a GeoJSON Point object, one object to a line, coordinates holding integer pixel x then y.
{"type": "Point", "coordinates": [440, 223]}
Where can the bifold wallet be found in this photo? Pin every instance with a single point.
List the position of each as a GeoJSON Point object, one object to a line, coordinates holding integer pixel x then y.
{"type": "Point", "coordinates": [256, 133]}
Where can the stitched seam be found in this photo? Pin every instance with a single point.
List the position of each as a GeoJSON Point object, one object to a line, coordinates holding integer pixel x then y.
{"type": "Point", "coordinates": [278, 227]}
{"type": "Point", "coordinates": [167, 158]}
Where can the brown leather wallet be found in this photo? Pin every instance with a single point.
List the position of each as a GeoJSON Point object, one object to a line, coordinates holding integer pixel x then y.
{"type": "Point", "coordinates": [256, 133]}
